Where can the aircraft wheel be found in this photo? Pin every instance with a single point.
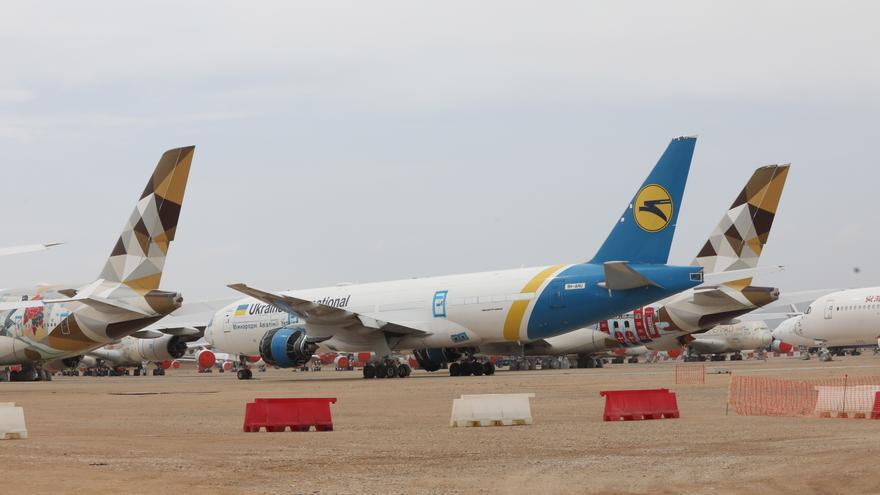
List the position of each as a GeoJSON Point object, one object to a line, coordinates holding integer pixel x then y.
{"type": "Point", "coordinates": [391, 371]}
{"type": "Point", "coordinates": [369, 371]}
{"type": "Point", "coordinates": [4, 376]}
{"type": "Point", "coordinates": [466, 369]}
{"type": "Point", "coordinates": [488, 368]}
{"type": "Point", "coordinates": [404, 371]}
{"type": "Point", "coordinates": [454, 369]}
{"type": "Point", "coordinates": [380, 370]}
{"type": "Point", "coordinates": [242, 374]}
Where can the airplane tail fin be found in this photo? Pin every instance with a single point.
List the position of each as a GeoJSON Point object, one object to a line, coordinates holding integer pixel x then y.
{"type": "Point", "coordinates": [138, 257]}
{"type": "Point", "coordinates": [644, 232]}
{"type": "Point", "coordinates": [738, 240]}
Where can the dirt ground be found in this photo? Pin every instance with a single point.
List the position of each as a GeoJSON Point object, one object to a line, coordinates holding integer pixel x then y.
{"type": "Point", "coordinates": [393, 436]}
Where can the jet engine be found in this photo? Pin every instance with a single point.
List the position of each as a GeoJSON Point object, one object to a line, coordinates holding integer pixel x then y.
{"type": "Point", "coordinates": [205, 359]}
{"type": "Point", "coordinates": [168, 347]}
{"type": "Point", "coordinates": [342, 362]}
{"type": "Point", "coordinates": [433, 359]}
{"type": "Point", "coordinates": [287, 347]}
{"type": "Point", "coordinates": [780, 346]}
{"type": "Point", "coordinates": [72, 362]}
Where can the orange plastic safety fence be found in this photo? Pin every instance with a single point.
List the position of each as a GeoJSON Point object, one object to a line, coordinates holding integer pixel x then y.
{"type": "Point", "coordinates": [690, 374]}
{"type": "Point", "coordinates": [845, 396]}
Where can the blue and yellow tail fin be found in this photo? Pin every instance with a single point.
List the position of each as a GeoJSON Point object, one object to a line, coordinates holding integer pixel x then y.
{"type": "Point", "coordinates": [644, 232]}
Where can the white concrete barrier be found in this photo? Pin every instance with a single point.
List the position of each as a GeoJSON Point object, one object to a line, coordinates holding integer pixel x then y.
{"type": "Point", "coordinates": [492, 410]}
{"type": "Point", "coordinates": [852, 399]}
{"type": "Point", "coordinates": [11, 421]}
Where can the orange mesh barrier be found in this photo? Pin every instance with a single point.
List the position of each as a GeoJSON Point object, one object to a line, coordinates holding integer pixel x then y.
{"type": "Point", "coordinates": [690, 374]}
{"type": "Point", "coordinates": [845, 396]}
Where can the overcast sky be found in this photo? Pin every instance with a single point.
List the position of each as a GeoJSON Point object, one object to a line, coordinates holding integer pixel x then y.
{"type": "Point", "coordinates": [364, 141]}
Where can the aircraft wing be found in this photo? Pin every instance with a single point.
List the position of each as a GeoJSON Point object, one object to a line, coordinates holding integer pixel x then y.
{"type": "Point", "coordinates": [313, 313]}
{"type": "Point", "coordinates": [27, 249]}
{"type": "Point", "coordinates": [189, 321]}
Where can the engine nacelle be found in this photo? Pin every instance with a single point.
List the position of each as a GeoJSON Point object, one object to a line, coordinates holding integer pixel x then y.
{"type": "Point", "coordinates": [342, 362]}
{"type": "Point", "coordinates": [433, 359]}
{"type": "Point", "coordinates": [205, 359]}
{"type": "Point", "coordinates": [72, 362]}
{"type": "Point", "coordinates": [169, 347]}
{"type": "Point", "coordinates": [780, 346]}
{"type": "Point", "coordinates": [286, 347]}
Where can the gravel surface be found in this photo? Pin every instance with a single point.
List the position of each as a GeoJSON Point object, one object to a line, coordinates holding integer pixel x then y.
{"type": "Point", "coordinates": [183, 433]}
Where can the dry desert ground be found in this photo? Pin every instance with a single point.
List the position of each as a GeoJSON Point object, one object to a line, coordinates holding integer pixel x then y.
{"type": "Point", "coordinates": [182, 433]}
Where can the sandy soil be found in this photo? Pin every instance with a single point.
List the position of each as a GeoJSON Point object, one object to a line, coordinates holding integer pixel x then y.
{"type": "Point", "coordinates": [392, 436]}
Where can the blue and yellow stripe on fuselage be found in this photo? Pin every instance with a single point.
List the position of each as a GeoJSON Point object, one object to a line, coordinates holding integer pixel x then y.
{"type": "Point", "coordinates": [569, 297]}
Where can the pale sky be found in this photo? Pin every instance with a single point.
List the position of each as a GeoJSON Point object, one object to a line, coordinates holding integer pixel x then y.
{"type": "Point", "coordinates": [364, 141]}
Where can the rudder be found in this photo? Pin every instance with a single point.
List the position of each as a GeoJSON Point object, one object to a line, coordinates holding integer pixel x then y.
{"type": "Point", "coordinates": [138, 258]}
{"type": "Point", "coordinates": [740, 236]}
{"type": "Point", "coordinates": [644, 232]}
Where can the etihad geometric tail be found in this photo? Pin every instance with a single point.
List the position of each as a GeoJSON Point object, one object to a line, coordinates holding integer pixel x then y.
{"type": "Point", "coordinates": [740, 237]}
{"type": "Point", "coordinates": [138, 258]}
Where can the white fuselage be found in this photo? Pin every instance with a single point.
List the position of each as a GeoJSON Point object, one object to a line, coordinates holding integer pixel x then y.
{"type": "Point", "coordinates": [451, 311]}
{"type": "Point", "coordinates": [745, 336]}
{"type": "Point", "coordinates": [844, 318]}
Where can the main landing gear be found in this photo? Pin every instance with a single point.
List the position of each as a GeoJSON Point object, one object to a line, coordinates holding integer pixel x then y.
{"type": "Point", "coordinates": [470, 367]}
{"type": "Point", "coordinates": [587, 361]}
{"type": "Point", "coordinates": [387, 369]}
{"type": "Point", "coordinates": [34, 374]}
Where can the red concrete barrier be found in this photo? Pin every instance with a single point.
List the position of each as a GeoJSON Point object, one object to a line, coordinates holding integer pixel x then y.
{"type": "Point", "coordinates": [298, 414]}
{"type": "Point", "coordinates": [629, 405]}
{"type": "Point", "coordinates": [875, 412]}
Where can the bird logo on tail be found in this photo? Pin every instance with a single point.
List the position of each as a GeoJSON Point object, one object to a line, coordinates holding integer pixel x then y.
{"type": "Point", "coordinates": [653, 208]}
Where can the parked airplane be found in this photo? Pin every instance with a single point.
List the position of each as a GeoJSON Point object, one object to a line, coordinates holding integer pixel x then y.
{"type": "Point", "coordinates": [29, 248]}
{"type": "Point", "coordinates": [843, 318]}
{"type": "Point", "coordinates": [735, 246]}
{"type": "Point", "coordinates": [443, 317]}
{"type": "Point", "coordinates": [67, 321]}
{"type": "Point", "coordinates": [729, 339]}
{"type": "Point", "coordinates": [165, 341]}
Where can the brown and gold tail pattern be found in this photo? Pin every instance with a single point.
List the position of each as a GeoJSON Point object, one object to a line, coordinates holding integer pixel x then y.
{"type": "Point", "coordinates": [138, 258]}
{"type": "Point", "coordinates": [737, 241]}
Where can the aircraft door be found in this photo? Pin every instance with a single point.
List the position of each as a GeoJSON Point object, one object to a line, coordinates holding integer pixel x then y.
{"type": "Point", "coordinates": [227, 327]}
{"type": "Point", "coordinates": [829, 310]}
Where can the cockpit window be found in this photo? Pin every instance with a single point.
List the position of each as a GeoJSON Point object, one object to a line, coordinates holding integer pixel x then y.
{"type": "Point", "coordinates": [809, 308]}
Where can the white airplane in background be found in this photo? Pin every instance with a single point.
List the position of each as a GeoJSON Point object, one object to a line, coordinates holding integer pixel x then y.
{"type": "Point", "coordinates": [167, 340]}
{"type": "Point", "coordinates": [843, 318]}
{"type": "Point", "coordinates": [441, 316]}
{"type": "Point", "coordinates": [731, 339]}
{"type": "Point", "coordinates": [28, 248]}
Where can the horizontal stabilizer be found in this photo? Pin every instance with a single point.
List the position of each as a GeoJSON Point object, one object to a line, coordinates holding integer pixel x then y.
{"type": "Point", "coordinates": [712, 296]}
{"type": "Point", "coordinates": [620, 276]}
{"type": "Point", "coordinates": [106, 305]}
{"type": "Point", "coordinates": [734, 275]}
